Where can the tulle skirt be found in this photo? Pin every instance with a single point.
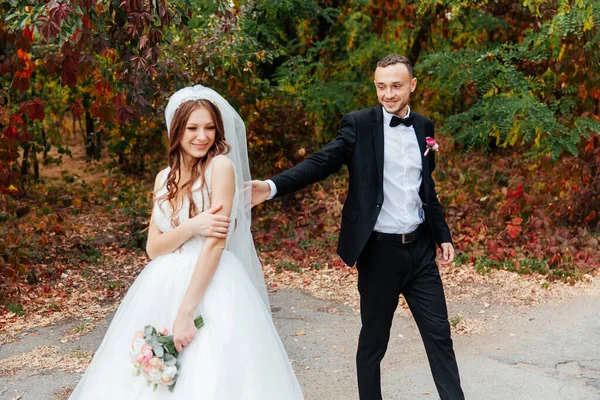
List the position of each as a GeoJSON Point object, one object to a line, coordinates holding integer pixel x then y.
{"type": "Point", "coordinates": [237, 355]}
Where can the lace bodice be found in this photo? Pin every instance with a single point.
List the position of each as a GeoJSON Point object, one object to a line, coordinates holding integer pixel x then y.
{"type": "Point", "coordinates": [163, 213]}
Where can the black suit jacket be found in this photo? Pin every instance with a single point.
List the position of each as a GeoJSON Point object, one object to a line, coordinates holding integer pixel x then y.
{"type": "Point", "coordinates": [359, 145]}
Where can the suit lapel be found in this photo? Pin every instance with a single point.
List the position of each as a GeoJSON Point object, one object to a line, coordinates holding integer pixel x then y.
{"type": "Point", "coordinates": [378, 141]}
{"type": "Point", "coordinates": [419, 126]}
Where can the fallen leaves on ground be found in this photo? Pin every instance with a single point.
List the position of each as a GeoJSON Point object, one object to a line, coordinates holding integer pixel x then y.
{"type": "Point", "coordinates": [86, 292]}
{"type": "Point", "coordinates": [77, 332]}
{"type": "Point", "coordinates": [63, 394]}
{"type": "Point", "coordinates": [46, 358]}
{"type": "Point", "coordinates": [88, 299]}
{"type": "Point", "coordinates": [463, 284]}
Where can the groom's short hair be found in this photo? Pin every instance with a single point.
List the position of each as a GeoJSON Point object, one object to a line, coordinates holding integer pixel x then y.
{"type": "Point", "coordinates": [392, 59]}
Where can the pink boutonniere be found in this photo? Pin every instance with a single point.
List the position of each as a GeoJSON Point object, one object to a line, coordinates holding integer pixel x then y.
{"type": "Point", "coordinates": [431, 145]}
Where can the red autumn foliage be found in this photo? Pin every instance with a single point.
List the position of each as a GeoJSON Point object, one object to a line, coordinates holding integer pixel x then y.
{"type": "Point", "coordinates": [48, 28]}
{"type": "Point", "coordinates": [76, 108]}
{"type": "Point", "coordinates": [514, 227]}
{"type": "Point", "coordinates": [69, 69]}
{"type": "Point", "coordinates": [124, 113]}
{"type": "Point", "coordinates": [21, 81]}
{"type": "Point", "coordinates": [59, 11]}
{"type": "Point", "coordinates": [22, 55]}
{"type": "Point", "coordinates": [10, 132]}
{"type": "Point", "coordinates": [28, 33]}
{"type": "Point", "coordinates": [34, 109]}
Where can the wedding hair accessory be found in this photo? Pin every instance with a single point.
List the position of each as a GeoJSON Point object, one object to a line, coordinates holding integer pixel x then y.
{"type": "Point", "coordinates": [190, 93]}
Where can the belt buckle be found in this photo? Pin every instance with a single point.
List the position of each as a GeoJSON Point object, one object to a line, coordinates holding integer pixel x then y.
{"type": "Point", "coordinates": [404, 241]}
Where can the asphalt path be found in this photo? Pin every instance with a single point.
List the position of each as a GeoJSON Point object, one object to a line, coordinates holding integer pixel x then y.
{"type": "Point", "coordinates": [539, 352]}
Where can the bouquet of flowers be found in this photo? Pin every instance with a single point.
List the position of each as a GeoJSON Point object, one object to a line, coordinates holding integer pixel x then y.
{"type": "Point", "coordinates": [153, 354]}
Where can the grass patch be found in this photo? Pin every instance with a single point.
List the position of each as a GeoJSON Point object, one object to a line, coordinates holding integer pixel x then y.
{"type": "Point", "coordinates": [454, 321]}
{"type": "Point", "coordinates": [287, 266]}
{"type": "Point", "coordinates": [16, 308]}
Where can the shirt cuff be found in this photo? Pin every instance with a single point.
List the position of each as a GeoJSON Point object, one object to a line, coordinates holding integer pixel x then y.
{"type": "Point", "coordinates": [273, 189]}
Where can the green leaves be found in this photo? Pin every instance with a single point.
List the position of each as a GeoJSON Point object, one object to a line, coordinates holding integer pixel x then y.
{"type": "Point", "coordinates": [156, 346]}
{"type": "Point", "coordinates": [522, 93]}
{"type": "Point", "coordinates": [170, 359]}
{"type": "Point", "coordinates": [168, 345]}
{"type": "Point", "coordinates": [149, 331]}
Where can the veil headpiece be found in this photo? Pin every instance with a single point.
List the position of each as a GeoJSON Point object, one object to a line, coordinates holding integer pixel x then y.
{"type": "Point", "coordinates": [240, 240]}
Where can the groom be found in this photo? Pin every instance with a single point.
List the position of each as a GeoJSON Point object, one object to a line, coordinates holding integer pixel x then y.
{"type": "Point", "coordinates": [391, 222]}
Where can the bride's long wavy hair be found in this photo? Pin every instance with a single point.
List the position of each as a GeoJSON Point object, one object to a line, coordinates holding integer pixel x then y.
{"type": "Point", "coordinates": [174, 154]}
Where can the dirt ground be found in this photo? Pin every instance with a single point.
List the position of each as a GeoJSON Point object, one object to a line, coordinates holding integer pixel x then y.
{"type": "Point", "coordinates": [542, 348]}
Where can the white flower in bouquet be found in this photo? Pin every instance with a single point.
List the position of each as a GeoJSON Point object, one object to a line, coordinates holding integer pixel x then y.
{"type": "Point", "coordinates": [136, 347]}
{"type": "Point", "coordinates": [168, 375]}
{"type": "Point", "coordinates": [153, 370]}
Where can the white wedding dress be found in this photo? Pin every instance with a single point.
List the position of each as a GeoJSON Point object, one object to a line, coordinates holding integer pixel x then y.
{"type": "Point", "coordinates": [237, 355]}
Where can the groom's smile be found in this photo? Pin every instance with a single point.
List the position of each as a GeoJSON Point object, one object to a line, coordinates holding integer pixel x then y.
{"type": "Point", "coordinates": [394, 85]}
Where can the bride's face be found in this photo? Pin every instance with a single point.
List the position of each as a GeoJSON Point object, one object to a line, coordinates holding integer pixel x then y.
{"type": "Point", "coordinates": [199, 134]}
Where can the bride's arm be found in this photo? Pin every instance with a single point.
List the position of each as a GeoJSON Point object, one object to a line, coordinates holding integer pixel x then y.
{"type": "Point", "coordinates": [208, 223]}
{"type": "Point", "coordinates": [223, 188]}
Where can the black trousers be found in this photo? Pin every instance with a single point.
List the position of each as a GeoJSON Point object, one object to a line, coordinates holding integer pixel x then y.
{"type": "Point", "coordinates": [387, 269]}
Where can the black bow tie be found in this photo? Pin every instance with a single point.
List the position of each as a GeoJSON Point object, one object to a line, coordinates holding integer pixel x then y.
{"type": "Point", "coordinates": [408, 121]}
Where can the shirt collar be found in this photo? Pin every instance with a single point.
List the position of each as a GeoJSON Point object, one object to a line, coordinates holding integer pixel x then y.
{"type": "Point", "coordinates": [387, 117]}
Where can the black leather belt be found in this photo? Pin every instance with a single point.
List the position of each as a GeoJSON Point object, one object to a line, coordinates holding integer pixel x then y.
{"type": "Point", "coordinates": [403, 238]}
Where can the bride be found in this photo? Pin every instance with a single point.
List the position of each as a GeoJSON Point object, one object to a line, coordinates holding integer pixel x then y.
{"type": "Point", "coordinates": [238, 354]}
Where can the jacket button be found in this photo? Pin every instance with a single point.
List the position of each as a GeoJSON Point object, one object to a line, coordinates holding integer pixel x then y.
{"type": "Point", "coordinates": [378, 205]}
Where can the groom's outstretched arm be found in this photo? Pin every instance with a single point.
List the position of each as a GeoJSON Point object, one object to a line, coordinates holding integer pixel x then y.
{"type": "Point", "coordinates": [320, 165]}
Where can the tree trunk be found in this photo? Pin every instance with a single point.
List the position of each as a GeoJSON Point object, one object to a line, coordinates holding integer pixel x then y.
{"type": "Point", "coordinates": [142, 165]}
{"type": "Point", "coordinates": [90, 140]}
{"type": "Point", "coordinates": [73, 130]}
{"type": "Point", "coordinates": [44, 142]}
{"type": "Point", "coordinates": [25, 163]}
{"type": "Point", "coordinates": [81, 128]}
{"type": "Point", "coordinates": [36, 165]}
{"type": "Point", "coordinates": [423, 35]}
{"type": "Point", "coordinates": [98, 144]}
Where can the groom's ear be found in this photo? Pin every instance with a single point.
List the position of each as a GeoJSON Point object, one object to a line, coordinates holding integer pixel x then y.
{"type": "Point", "coordinates": [413, 84]}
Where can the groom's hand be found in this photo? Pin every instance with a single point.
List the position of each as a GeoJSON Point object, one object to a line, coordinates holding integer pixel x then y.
{"type": "Point", "coordinates": [260, 192]}
{"type": "Point", "coordinates": [447, 254]}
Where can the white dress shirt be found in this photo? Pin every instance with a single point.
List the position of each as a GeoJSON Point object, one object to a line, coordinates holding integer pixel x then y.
{"type": "Point", "coordinates": [402, 210]}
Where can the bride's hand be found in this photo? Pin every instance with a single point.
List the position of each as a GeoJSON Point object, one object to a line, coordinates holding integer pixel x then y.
{"type": "Point", "coordinates": [184, 332]}
{"type": "Point", "coordinates": [209, 223]}
{"type": "Point", "coordinates": [260, 192]}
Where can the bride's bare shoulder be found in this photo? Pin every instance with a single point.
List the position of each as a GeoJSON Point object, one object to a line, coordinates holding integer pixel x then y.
{"type": "Point", "coordinates": [221, 164]}
{"type": "Point", "coordinates": [222, 172]}
{"type": "Point", "coordinates": [160, 179]}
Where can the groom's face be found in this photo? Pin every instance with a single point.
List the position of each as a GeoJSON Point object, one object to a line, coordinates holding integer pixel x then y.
{"type": "Point", "coordinates": [394, 85]}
